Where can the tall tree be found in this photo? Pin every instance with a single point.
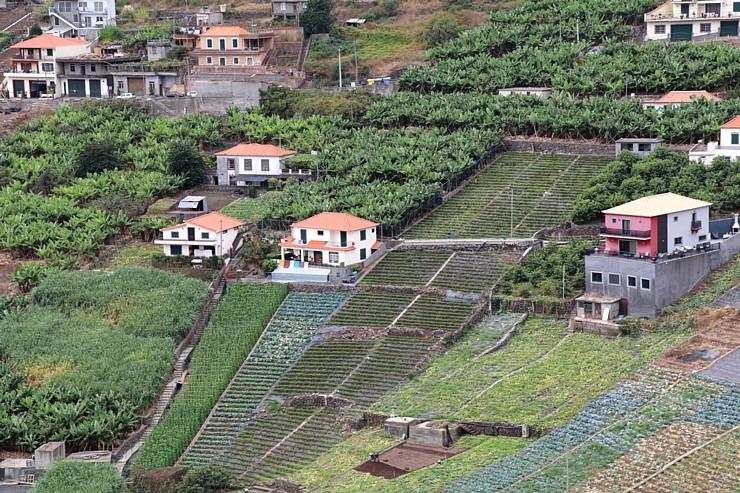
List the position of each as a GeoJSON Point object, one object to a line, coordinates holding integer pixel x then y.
{"type": "Point", "coordinates": [184, 159]}
{"type": "Point", "coordinates": [97, 156]}
{"type": "Point", "coordinates": [317, 17]}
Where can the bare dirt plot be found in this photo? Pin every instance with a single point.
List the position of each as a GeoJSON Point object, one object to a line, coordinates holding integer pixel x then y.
{"type": "Point", "coordinates": [8, 265]}
{"type": "Point", "coordinates": [719, 334]}
{"type": "Point", "coordinates": [405, 458]}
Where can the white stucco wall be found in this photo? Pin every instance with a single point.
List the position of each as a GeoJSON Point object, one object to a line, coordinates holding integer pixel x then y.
{"type": "Point", "coordinates": [679, 225]}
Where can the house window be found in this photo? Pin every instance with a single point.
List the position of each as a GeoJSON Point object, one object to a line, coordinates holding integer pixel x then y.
{"type": "Point", "coordinates": [92, 68]}
{"type": "Point", "coordinates": [645, 284]}
{"type": "Point", "coordinates": [47, 67]}
{"type": "Point", "coordinates": [230, 163]}
{"type": "Point", "coordinates": [175, 234]}
{"type": "Point", "coordinates": [736, 6]}
{"type": "Point", "coordinates": [247, 165]}
{"type": "Point", "coordinates": [120, 84]}
{"type": "Point", "coordinates": [175, 249]}
{"type": "Point", "coordinates": [735, 139]}
{"type": "Point", "coordinates": [222, 61]}
{"type": "Point", "coordinates": [644, 147]}
{"type": "Point", "coordinates": [283, 6]}
{"type": "Point", "coordinates": [320, 232]}
{"type": "Point", "coordinates": [205, 236]}
{"type": "Point", "coordinates": [209, 60]}
{"type": "Point", "coordinates": [234, 43]}
{"type": "Point", "coordinates": [151, 87]}
{"type": "Point", "coordinates": [678, 241]}
{"type": "Point", "coordinates": [236, 60]}
{"type": "Point", "coordinates": [705, 27]}
{"type": "Point", "coordinates": [372, 230]}
{"type": "Point", "coordinates": [265, 165]}
{"type": "Point", "coordinates": [614, 220]}
{"type": "Point", "coordinates": [333, 257]}
{"type": "Point", "coordinates": [631, 281]}
{"type": "Point", "coordinates": [209, 42]}
{"type": "Point", "coordinates": [98, 6]}
{"type": "Point", "coordinates": [363, 254]}
{"type": "Point", "coordinates": [72, 68]}
{"type": "Point", "coordinates": [597, 277]}
{"type": "Point", "coordinates": [660, 29]}
{"type": "Point", "coordinates": [675, 219]}
{"type": "Point", "coordinates": [250, 61]}
{"type": "Point", "coordinates": [49, 52]}
{"type": "Point", "coordinates": [363, 235]}
{"type": "Point", "coordinates": [614, 279]}
{"type": "Point", "coordinates": [702, 237]}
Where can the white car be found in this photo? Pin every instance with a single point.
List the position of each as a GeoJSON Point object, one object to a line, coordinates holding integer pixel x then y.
{"type": "Point", "coordinates": [193, 94]}
{"type": "Point", "coordinates": [125, 95]}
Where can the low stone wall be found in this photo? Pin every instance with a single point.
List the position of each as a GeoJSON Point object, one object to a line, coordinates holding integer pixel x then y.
{"type": "Point", "coordinates": [317, 400]}
{"type": "Point", "coordinates": [608, 330]}
{"type": "Point", "coordinates": [495, 429]}
{"type": "Point", "coordinates": [469, 245]}
{"type": "Point", "coordinates": [549, 308]}
{"type": "Point", "coordinates": [557, 147]}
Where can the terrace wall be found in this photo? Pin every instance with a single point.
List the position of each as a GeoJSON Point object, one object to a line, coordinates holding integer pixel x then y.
{"type": "Point", "coordinates": [473, 245]}
{"type": "Point", "coordinates": [561, 147]}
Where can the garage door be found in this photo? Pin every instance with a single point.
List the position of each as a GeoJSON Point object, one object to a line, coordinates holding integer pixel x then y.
{"type": "Point", "coordinates": [681, 32]}
{"type": "Point", "coordinates": [95, 89]}
{"type": "Point", "coordinates": [136, 85]}
{"type": "Point", "coordinates": [76, 87]}
{"type": "Point", "coordinates": [728, 28]}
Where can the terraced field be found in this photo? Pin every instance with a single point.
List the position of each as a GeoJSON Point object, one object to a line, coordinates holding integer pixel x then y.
{"type": "Point", "coordinates": [731, 299]}
{"type": "Point", "coordinates": [466, 272]}
{"type": "Point", "coordinates": [282, 343]}
{"type": "Point", "coordinates": [372, 309]}
{"type": "Point", "coordinates": [520, 191]}
{"type": "Point", "coordinates": [430, 312]}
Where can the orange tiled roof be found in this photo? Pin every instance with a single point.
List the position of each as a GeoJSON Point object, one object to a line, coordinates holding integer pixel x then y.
{"type": "Point", "coordinates": [266, 150]}
{"type": "Point", "coordinates": [734, 123]}
{"type": "Point", "coordinates": [685, 97]}
{"type": "Point", "coordinates": [337, 221]}
{"type": "Point", "coordinates": [213, 221]}
{"type": "Point", "coordinates": [49, 41]}
{"type": "Point", "coordinates": [225, 31]}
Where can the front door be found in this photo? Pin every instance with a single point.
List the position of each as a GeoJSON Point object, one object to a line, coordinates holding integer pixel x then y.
{"type": "Point", "coordinates": [304, 237]}
{"type": "Point", "coordinates": [95, 90]}
{"type": "Point", "coordinates": [222, 44]}
{"type": "Point", "coordinates": [685, 9]}
{"type": "Point", "coordinates": [191, 234]}
{"type": "Point", "coordinates": [318, 257]}
{"type": "Point", "coordinates": [627, 247]}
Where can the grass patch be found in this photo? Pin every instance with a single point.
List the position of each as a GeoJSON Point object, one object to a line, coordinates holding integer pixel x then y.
{"type": "Point", "coordinates": [136, 254]}
{"type": "Point", "coordinates": [247, 210]}
{"type": "Point", "coordinates": [159, 208]}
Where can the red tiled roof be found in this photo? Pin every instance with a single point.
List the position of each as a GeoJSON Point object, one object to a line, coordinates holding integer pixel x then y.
{"type": "Point", "coordinates": [225, 31]}
{"type": "Point", "coordinates": [49, 41]}
{"type": "Point", "coordinates": [213, 221]}
{"type": "Point", "coordinates": [266, 150]}
{"type": "Point", "coordinates": [734, 123]}
{"type": "Point", "coordinates": [660, 6]}
{"type": "Point", "coordinates": [685, 97]}
{"type": "Point", "coordinates": [336, 221]}
{"type": "Point", "coordinates": [376, 245]}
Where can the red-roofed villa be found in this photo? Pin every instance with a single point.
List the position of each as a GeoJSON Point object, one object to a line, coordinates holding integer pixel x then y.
{"type": "Point", "coordinates": [202, 236]}
{"type": "Point", "coordinates": [728, 146]}
{"type": "Point", "coordinates": [674, 99]}
{"type": "Point", "coordinates": [254, 164]}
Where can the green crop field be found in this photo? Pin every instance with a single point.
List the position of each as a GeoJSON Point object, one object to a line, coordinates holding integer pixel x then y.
{"type": "Point", "coordinates": [101, 343]}
{"type": "Point", "coordinates": [519, 193]}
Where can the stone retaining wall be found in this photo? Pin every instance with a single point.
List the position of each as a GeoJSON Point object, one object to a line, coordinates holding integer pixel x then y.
{"type": "Point", "coordinates": [556, 147]}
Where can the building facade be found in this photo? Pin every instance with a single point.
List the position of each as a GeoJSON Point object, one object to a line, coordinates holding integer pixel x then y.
{"type": "Point", "coordinates": [288, 9]}
{"type": "Point", "coordinates": [727, 147]}
{"type": "Point", "coordinates": [34, 69]}
{"type": "Point", "coordinates": [687, 20]}
{"type": "Point", "coordinates": [254, 164]}
{"type": "Point", "coordinates": [674, 99]}
{"type": "Point", "coordinates": [331, 238]}
{"type": "Point", "coordinates": [81, 19]}
{"type": "Point", "coordinates": [641, 147]}
{"type": "Point", "coordinates": [233, 50]}
{"type": "Point", "coordinates": [202, 236]}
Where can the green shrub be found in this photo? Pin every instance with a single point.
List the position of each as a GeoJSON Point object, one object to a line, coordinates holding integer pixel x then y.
{"type": "Point", "coordinates": [80, 477]}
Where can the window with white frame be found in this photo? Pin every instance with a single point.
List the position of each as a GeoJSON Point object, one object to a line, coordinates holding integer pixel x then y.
{"type": "Point", "coordinates": [631, 282]}
{"type": "Point", "coordinates": [236, 60]}
{"type": "Point", "coordinates": [205, 235]}
{"type": "Point", "coordinates": [175, 234]}
{"type": "Point", "coordinates": [99, 6]}
{"type": "Point", "coordinates": [265, 165]}
{"type": "Point", "coordinates": [209, 42]}
{"type": "Point", "coordinates": [247, 165]}
{"type": "Point", "coordinates": [283, 6]}
{"type": "Point", "coordinates": [614, 279]}
{"type": "Point", "coordinates": [705, 27]}
{"type": "Point", "coordinates": [47, 67]}
{"type": "Point", "coordinates": [597, 277]}
{"type": "Point", "coordinates": [235, 42]}
{"type": "Point", "coordinates": [645, 284]}
{"type": "Point", "coordinates": [333, 257]}
{"type": "Point", "coordinates": [209, 60]}
{"type": "Point", "coordinates": [678, 241]}
{"type": "Point", "coordinates": [231, 163]}
{"type": "Point", "coordinates": [320, 232]}
{"type": "Point", "coordinates": [120, 84]}
{"type": "Point", "coordinates": [250, 61]}
{"type": "Point", "coordinates": [660, 29]}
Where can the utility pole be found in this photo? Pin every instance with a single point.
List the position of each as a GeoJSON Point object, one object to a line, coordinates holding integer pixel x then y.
{"type": "Point", "coordinates": [511, 218]}
{"type": "Point", "coordinates": [340, 68]}
{"type": "Point", "coordinates": [563, 282]}
{"type": "Point", "coordinates": [357, 72]}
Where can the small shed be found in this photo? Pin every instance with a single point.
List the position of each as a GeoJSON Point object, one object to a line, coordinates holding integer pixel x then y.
{"type": "Point", "coordinates": [190, 206]}
{"type": "Point", "coordinates": [542, 92]}
{"type": "Point", "coordinates": [157, 50]}
{"type": "Point", "coordinates": [642, 147]}
{"type": "Point", "coordinates": [21, 470]}
{"type": "Point", "coordinates": [597, 306]}
{"type": "Point", "coordinates": [49, 453]}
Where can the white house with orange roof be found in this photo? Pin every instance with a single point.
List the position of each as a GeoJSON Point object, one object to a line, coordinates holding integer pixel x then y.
{"type": "Point", "coordinates": [727, 147]}
{"type": "Point", "coordinates": [33, 69]}
{"type": "Point", "coordinates": [254, 164]}
{"type": "Point", "coordinates": [331, 239]}
{"type": "Point", "coordinates": [674, 99]}
{"type": "Point", "coordinates": [687, 20]}
{"type": "Point", "coordinates": [202, 236]}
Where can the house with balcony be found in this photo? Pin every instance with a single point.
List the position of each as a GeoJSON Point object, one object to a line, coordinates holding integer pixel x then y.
{"type": "Point", "coordinates": [254, 164]}
{"type": "Point", "coordinates": [687, 20]}
{"type": "Point", "coordinates": [202, 236]}
{"type": "Point", "coordinates": [727, 147]}
{"type": "Point", "coordinates": [288, 9]}
{"type": "Point", "coordinates": [656, 249]}
{"type": "Point", "coordinates": [81, 19]}
{"type": "Point", "coordinates": [34, 71]}
{"type": "Point", "coordinates": [331, 239]}
{"type": "Point", "coordinates": [234, 51]}
{"type": "Point", "coordinates": [674, 99]}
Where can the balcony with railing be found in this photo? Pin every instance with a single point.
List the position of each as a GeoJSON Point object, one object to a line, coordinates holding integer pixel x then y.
{"type": "Point", "coordinates": [693, 16]}
{"type": "Point", "coordinates": [695, 225]}
{"type": "Point", "coordinates": [631, 233]}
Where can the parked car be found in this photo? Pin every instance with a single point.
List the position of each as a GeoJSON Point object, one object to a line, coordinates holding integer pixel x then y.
{"type": "Point", "coordinates": [193, 94]}
{"type": "Point", "coordinates": [175, 94]}
{"type": "Point", "coordinates": [125, 95]}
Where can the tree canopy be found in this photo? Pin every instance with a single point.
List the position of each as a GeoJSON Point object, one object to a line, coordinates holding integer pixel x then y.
{"type": "Point", "coordinates": [317, 17]}
{"type": "Point", "coordinates": [184, 159]}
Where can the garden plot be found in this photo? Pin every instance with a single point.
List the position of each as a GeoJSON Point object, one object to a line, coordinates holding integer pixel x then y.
{"type": "Point", "coordinates": [522, 191]}
{"type": "Point", "coordinates": [727, 369]}
{"type": "Point", "coordinates": [407, 268]}
{"type": "Point", "coordinates": [372, 309]}
{"type": "Point", "coordinates": [284, 340]}
{"type": "Point", "coordinates": [473, 272]}
{"type": "Point", "coordinates": [713, 467]}
{"type": "Point", "coordinates": [433, 313]}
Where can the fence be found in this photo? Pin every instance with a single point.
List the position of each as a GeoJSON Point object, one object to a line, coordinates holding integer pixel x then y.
{"type": "Point", "coordinates": [551, 308]}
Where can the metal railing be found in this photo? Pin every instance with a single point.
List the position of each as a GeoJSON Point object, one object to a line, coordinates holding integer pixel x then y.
{"type": "Point", "coordinates": [624, 232]}
{"type": "Point", "coordinates": [695, 224]}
